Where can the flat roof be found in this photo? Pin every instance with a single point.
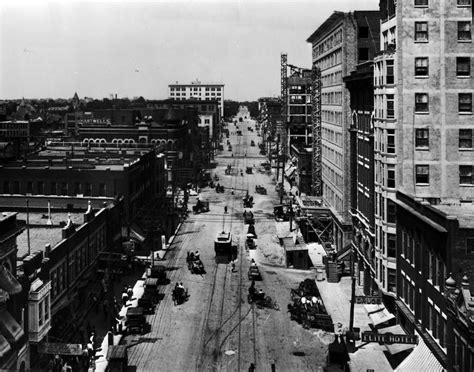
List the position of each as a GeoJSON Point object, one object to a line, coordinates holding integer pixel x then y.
{"type": "Point", "coordinates": [42, 234]}
{"type": "Point", "coordinates": [463, 212]}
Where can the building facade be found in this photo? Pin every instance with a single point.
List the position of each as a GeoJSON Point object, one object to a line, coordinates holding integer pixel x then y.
{"type": "Point", "coordinates": [298, 109]}
{"type": "Point", "coordinates": [435, 242]}
{"type": "Point", "coordinates": [423, 123]}
{"type": "Point", "coordinates": [360, 85]}
{"type": "Point", "coordinates": [338, 45]}
{"type": "Point", "coordinates": [200, 91]}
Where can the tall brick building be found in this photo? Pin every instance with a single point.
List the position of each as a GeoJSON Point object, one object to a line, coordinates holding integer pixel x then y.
{"type": "Point", "coordinates": [339, 44]}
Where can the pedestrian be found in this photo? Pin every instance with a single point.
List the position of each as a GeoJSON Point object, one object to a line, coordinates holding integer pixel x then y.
{"type": "Point", "coordinates": [233, 266]}
{"type": "Point", "coordinates": [225, 209]}
{"type": "Point", "coordinates": [105, 308]}
{"type": "Point", "coordinates": [130, 292]}
{"type": "Point", "coordinates": [124, 298]}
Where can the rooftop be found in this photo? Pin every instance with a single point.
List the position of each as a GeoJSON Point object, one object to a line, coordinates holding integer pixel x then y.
{"type": "Point", "coordinates": [41, 233]}
{"type": "Point", "coordinates": [463, 212]}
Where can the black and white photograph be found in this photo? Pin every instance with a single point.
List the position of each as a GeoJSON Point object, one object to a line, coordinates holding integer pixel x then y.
{"type": "Point", "coordinates": [236, 185]}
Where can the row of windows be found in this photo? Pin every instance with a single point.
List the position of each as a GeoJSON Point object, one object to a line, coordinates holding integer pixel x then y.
{"type": "Point", "coordinates": [300, 99]}
{"type": "Point", "coordinates": [213, 94]}
{"type": "Point", "coordinates": [55, 188]}
{"type": "Point", "coordinates": [332, 198]}
{"type": "Point", "coordinates": [388, 37]}
{"type": "Point", "coordinates": [194, 89]}
{"type": "Point", "coordinates": [335, 178]}
{"type": "Point", "coordinates": [331, 155]}
{"type": "Point", "coordinates": [425, 3]}
{"type": "Point", "coordinates": [329, 43]}
{"type": "Point", "coordinates": [331, 98]}
{"type": "Point", "coordinates": [466, 174]}
{"type": "Point", "coordinates": [422, 35]}
{"type": "Point", "coordinates": [334, 117]}
{"type": "Point", "coordinates": [464, 103]}
{"type": "Point", "coordinates": [384, 73]}
{"type": "Point", "coordinates": [385, 175]}
{"type": "Point", "coordinates": [330, 60]}
{"type": "Point", "coordinates": [331, 136]}
{"type": "Point", "coordinates": [331, 79]}
{"type": "Point", "coordinates": [422, 138]}
{"type": "Point", "coordinates": [385, 141]}
{"type": "Point", "coordinates": [463, 67]}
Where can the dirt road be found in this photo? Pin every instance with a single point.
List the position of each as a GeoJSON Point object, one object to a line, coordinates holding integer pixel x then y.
{"type": "Point", "coordinates": [217, 329]}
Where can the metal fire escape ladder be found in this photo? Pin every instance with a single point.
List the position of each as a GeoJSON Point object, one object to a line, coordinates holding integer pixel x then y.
{"type": "Point", "coordinates": [316, 181]}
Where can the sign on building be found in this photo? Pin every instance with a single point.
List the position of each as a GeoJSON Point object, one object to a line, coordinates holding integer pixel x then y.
{"type": "Point", "coordinates": [368, 300]}
{"type": "Point", "coordinates": [389, 338]}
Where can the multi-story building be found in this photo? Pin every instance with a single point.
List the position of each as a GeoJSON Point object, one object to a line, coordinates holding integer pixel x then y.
{"type": "Point", "coordinates": [360, 85]}
{"type": "Point", "coordinates": [200, 91]}
{"type": "Point", "coordinates": [338, 45]}
{"type": "Point", "coordinates": [435, 242]}
{"type": "Point", "coordinates": [423, 123]}
{"type": "Point", "coordinates": [298, 109]}
{"type": "Point", "coordinates": [14, 346]}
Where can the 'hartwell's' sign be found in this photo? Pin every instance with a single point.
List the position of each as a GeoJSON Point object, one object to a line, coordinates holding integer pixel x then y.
{"type": "Point", "coordinates": [389, 338]}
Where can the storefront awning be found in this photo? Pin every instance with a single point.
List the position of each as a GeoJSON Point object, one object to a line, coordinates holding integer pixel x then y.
{"type": "Point", "coordinates": [381, 317]}
{"type": "Point", "coordinates": [290, 172]}
{"type": "Point", "coordinates": [420, 359]}
{"type": "Point", "coordinates": [9, 328]}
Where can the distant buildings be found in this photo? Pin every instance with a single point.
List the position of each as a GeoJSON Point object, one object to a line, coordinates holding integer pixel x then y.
{"type": "Point", "coordinates": [339, 44]}
{"type": "Point", "coordinates": [200, 91]}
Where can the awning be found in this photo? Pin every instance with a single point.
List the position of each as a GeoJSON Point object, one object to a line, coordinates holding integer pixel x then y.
{"type": "Point", "coordinates": [396, 348]}
{"type": "Point", "coordinates": [9, 328]}
{"type": "Point", "coordinates": [380, 317]}
{"type": "Point", "coordinates": [420, 359]}
{"type": "Point", "coordinates": [4, 346]}
{"type": "Point", "coordinates": [289, 173]}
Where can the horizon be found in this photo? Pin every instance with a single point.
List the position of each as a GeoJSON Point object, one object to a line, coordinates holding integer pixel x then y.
{"type": "Point", "coordinates": [83, 46]}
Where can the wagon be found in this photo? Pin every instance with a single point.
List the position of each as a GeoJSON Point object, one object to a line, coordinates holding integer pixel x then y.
{"type": "Point", "coordinates": [200, 207]}
{"type": "Point", "coordinates": [136, 320]}
{"type": "Point", "coordinates": [254, 273]}
{"type": "Point", "coordinates": [158, 272]}
{"type": "Point", "coordinates": [248, 218]}
{"type": "Point", "coordinates": [260, 190]}
{"type": "Point", "coordinates": [249, 242]}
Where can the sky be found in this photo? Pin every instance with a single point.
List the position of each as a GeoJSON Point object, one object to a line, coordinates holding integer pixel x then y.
{"type": "Point", "coordinates": [53, 49]}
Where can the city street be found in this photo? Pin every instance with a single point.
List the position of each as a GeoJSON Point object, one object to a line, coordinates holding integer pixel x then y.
{"type": "Point", "coordinates": [216, 329]}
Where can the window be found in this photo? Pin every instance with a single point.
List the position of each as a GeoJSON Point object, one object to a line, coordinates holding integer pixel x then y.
{"type": "Point", "coordinates": [422, 137]}
{"type": "Point", "coordinates": [390, 75]}
{"type": "Point", "coordinates": [29, 187]}
{"type": "Point", "coordinates": [363, 54]}
{"type": "Point", "coordinates": [464, 2]}
{"type": "Point", "coordinates": [465, 138]}
{"type": "Point", "coordinates": [101, 189]}
{"type": "Point", "coordinates": [390, 106]}
{"type": "Point", "coordinates": [40, 188]}
{"type": "Point", "coordinates": [421, 66]}
{"type": "Point", "coordinates": [469, 246]}
{"type": "Point", "coordinates": [421, 3]}
{"type": "Point", "coordinates": [40, 313]}
{"type": "Point", "coordinates": [363, 32]}
{"type": "Point", "coordinates": [422, 174]}
{"type": "Point", "coordinates": [466, 175]}
{"type": "Point", "coordinates": [53, 188]}
{"type": "Point", "coordinates": [390, 141]}
{"type": "Point", "coordinates": [6, 187]}
{"type": "Point", "coordinates": [421, 102]}
{"type": "Point", "coordinates": [391, 175]}
{"type": "Point", "coordinates": [46, 308]}
{"type": "Point", "coordinates": [421, 31]}
{"type": "Point", "coordinates": [463, 66]}
{"type": "Point", "coordinates": [464, 31]}
{"type": "Point", "coordinates": [88, 191]}
{"type": "Point", "coordinates": [465, 102]}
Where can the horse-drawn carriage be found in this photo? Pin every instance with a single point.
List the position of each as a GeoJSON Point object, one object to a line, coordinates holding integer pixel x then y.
{"type": "Point", "coordinates": [261, 300]}
{"type": "Point", "coordinates": [200, 207]}
{"type": "Point", "coordinates": [308, 308]}
{"type": "Point", "coordinates": [248, 218]}
{"type": "Point", "coordinates": [135, 320]}
{"type": "Point", "coordinates": [150, 295]}
{"type": "Point", "coordinates": [219, 188]}
{"type": "Point", "coordinates": [254, 273]}
{"type": "Point", "coordinates": [248, 201]}
{"type": "Point", "coordinates": [180, 295]}
{"type": "Point", "coordinates": [260, 190]}
{"type": "Point", "coordinates": [248, 170]}
{"type": "Point", "coordinates": [195, 264]}
{"type": "Point", "coordinates": [249, 241]}
{"type": "Point", "coordinates": [158, 272]}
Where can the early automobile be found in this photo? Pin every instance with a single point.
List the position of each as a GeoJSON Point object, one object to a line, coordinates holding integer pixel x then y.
{"type": "Point", "coordinates": [254, 273]}
{"type": "Point", "coordinates": [136, 320]}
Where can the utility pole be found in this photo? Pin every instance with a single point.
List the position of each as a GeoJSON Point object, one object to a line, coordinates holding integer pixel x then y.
{"type": "Point", "coordinates": [351, 340]}
{"type": "Point", "coordinates": [278, 158]}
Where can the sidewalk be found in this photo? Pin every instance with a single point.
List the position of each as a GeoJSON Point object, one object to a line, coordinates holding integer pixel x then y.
{"type": "Point", "coordinates": [336, 298]}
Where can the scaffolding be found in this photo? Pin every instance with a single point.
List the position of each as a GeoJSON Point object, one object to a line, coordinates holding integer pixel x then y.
{"type": "Point", "coordinates": [316, 181]}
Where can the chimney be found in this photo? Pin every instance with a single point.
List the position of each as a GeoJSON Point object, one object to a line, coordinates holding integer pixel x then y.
{"type": "Point", "coordinates": [44, 274]}
{"type": "Point", "coordinates": [47, 250]}
{"type": "Point", "coordinates": [89, 214]}
{"type": "Point", "coordinates": [68, 230]}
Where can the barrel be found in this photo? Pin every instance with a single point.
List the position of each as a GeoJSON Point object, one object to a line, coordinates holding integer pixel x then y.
{"type": "Point", "coordinates": [319, 275]}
